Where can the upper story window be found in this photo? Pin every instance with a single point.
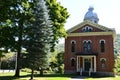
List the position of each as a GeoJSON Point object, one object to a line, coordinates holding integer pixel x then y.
{"type": "Point", "coordinates": [102, 45]}
{"type": "Point", "coordinates": [73, 46]}
{"type": "Point", "coordinates": [87, 46]}
{"type": "Point", "coordinates": [87, 29]}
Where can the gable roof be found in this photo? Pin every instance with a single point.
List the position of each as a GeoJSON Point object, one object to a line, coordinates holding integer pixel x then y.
{"type": "Point", "coordinates": [88, 22]}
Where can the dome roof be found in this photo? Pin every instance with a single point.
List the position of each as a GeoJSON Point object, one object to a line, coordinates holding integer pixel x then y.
{"type": "Point", "coordinates": [90, 15]}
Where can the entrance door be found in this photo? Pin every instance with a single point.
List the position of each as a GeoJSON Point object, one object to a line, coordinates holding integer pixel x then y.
{"type": "Point", "coordinates": [87, 64]}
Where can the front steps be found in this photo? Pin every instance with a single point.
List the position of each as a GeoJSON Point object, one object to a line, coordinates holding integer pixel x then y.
{"type": "Point", "coordinates": [88, 74]}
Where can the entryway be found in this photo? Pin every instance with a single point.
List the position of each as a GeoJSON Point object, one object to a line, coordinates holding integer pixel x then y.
{"type": "Point", "coordinates": [87, 64]}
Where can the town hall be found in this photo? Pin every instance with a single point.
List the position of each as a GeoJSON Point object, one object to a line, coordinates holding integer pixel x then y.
{"type": "Point", "coordinates": [89, 47]}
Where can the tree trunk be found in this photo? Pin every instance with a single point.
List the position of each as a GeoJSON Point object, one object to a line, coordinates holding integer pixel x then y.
{"type": "Point", "coordinates": [32, 74]}
{"type": "Point", "coordinates": [0, 63]}
{"type": "Point", "coordinates": [17, 72]}
{"type": "Point", "coordinates": [41, 72]}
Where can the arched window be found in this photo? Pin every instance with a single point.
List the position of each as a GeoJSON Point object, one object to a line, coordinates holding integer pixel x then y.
{"type": "Point", "coordinates": [73, 46]}
{"type": "Point", "coordinates": [87, 29]}
{"type": "Point", "coordinates": [89, 46]}
{"type": "Point", "coordinates": [72, 62]}
{"type": "Point", "coordinates": [85, 46]}
{"type": "Point", "coordinates": [102, 45]}
{"type": "Point", "coordinates": [103, 63]}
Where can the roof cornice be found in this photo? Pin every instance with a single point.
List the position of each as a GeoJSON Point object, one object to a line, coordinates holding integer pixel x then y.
{"type": "Point", "coordinates": [92, 34]}
{"type": "Point", "coordinates": [89, 23]}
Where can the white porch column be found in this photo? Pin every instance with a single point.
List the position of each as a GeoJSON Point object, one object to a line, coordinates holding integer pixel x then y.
{"type": "Point", "coordinates": [94, 63]}
{"type": "Point", "coordinates": [78, 63]}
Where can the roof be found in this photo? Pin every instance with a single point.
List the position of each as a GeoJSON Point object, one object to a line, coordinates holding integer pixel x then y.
{"type": "Point", "coordinates": [92, 24]}
{"type": "Point", "coordinates": [105, 30]}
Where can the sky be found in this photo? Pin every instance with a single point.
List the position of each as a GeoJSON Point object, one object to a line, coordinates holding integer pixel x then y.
{"type": "Point", "coordinates": [108, 12]}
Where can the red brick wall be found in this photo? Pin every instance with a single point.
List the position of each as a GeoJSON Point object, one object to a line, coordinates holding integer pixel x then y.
{"type": "Point", "coordinates": [108, 54]}
{"type": "Point", "coordinates": [80, 29]}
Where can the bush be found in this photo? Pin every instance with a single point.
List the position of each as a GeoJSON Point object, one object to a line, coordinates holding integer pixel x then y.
{"type": "Point", "coordinates": [26, 70]}
{"type": "Point", "coordinates": [61, 69]}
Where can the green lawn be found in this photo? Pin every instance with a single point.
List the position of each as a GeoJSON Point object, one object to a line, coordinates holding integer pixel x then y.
{"type": "Point", "coordinates": [104, 78]}
{"type": "Point", "coordinates": [26, 76]}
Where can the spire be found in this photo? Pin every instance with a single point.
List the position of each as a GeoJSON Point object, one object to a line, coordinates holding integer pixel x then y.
{"type": "Point", "coordinates": [90, 15]}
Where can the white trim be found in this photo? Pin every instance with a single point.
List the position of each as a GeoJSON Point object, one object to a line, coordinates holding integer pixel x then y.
{"type": "Point", "coordinates": [102, 40]}
{"type": "Point", "coordinates": [94, 63]}
{"type": "Point", "coordinates": [73, 41]}
{"type": "Point", "coordinates": [90, 41]}
{"type": "Point", "coordinates": [84, 41]}
{"type": "Point", "coordinates": [77, 64]}
{"type": "Point", "coordinates": [92, 34]}
{"type": "Point", "coordinates": [83, 57]}
{"type": "Point", "coordinates": [87, 41]}
{"type": "Point", "coordinates": [72, 58]}
{"type": "Point", "coordinates": [102, 58]}
{"type": "Point", "coordinates": [87, 22]}
{"type": "Point", "coordinates": [85, 27]}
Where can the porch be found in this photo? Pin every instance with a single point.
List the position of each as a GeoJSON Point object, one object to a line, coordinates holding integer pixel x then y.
{"type": "Point", "coordinates": [86, 64]}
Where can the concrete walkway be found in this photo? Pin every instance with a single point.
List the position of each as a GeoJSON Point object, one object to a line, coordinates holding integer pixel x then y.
{"type": "Point", "coordinates": [3, 71]}
{"type": "Point", "coordinates": [78, 78]}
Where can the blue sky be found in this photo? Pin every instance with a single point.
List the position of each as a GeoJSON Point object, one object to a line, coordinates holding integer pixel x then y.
{"type": "Point", "coordinates": [108, 12]}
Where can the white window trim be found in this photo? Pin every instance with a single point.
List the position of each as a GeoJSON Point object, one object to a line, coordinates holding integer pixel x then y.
{"type": "Point", "coordinates": [73, 41]}
{"type": "Point", "coordinates": [102, 40]}
{"type": "Point", "coordinates": [102, 59]}
{"type": "Point", "coordinates": [72, 58]}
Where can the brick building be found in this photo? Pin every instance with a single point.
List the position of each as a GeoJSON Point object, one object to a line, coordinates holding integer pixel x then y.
{"type": "Point", "coordinates": [89, 47]}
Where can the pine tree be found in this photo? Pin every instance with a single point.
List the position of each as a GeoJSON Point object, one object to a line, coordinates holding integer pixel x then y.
{"type": "Point", "coordinates": [39, 37]}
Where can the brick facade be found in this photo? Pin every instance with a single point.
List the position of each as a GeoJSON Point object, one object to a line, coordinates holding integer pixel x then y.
{"type": "Point", "coordinates": [95, 60]}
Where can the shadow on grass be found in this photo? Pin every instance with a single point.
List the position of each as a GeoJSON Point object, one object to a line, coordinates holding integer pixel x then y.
{"type": "Point", "coordinates": [36, 75]}
{"type": "Point", "coordinates": [12, 77]}
{"type": "Point", "coordinates": [56, 75]}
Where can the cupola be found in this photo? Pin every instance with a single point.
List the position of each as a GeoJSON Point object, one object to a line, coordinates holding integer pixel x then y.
{"type": "Point", "coordinates": [90, 15]}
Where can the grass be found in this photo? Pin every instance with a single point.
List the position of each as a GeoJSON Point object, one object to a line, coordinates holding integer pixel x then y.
{"type": "Point", "coordinates": [26, 76]}
{"type": "Point", "coordinates": [104, 78]}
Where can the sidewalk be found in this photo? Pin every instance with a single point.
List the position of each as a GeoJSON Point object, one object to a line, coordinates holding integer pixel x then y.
{"type": "Point", "coordinates": [2, 71]}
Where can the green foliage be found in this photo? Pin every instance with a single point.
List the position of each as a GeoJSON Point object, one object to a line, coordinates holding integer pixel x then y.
{"type": "Point", "coordinates": [58, 16]}
{"type": "Point", "coordinates": [16, 19]}
{"type": "Point", "coordinates": [117, 45]}
{"type": "Point", "coordinates": [8, 61]}
{"type": "Point", "coordinates": [117, 54]}
{"type": "Point", "coordinates": [57, 62]}
{"type": "Point", "coordinates": [117, 64]}
{"type": "Point", "coordinates": [38, 37]}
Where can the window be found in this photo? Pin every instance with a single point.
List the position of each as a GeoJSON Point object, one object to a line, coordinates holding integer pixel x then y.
{"type": "Point", "coordinates": [87, 29]}
{"type": "Point", "coordinates": [73, 46]}
{"type": "Point", "coordinates": [102, 45]}
{"type": "Point", "coordinates": [72, 62]}
{"type": "Point", "coordinates": [103, 61]}
{"type": "Point", "coordinates": [87, 46]}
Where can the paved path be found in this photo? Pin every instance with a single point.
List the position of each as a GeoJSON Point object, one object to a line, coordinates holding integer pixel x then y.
{"type": "Point", "coordinates": [2, 71]}
{"type": "Point", "coordinates": [78, 78]}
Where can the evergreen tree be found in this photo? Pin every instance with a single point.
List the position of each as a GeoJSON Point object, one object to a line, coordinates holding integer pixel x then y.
{"type": "Point", "coordinates": [38, 38]}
